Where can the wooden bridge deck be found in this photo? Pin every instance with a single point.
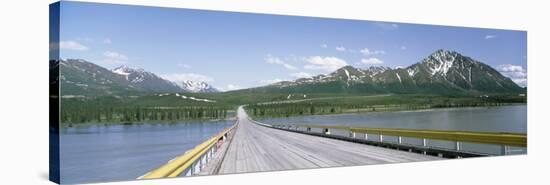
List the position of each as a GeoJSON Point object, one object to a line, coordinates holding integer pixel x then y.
{"type": "Point", "coordinates": [257, 148]}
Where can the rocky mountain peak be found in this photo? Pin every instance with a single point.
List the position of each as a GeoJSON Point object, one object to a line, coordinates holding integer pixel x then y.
{"type": "Point", "coordinates": [193, 86]}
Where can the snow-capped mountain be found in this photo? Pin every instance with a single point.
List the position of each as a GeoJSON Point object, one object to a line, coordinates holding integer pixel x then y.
{"type": "Point", "coordinates": [80, 77]}
{"type": "Point", "coordinates": [197, 87]}
{"type": "Point", "coordinates": [456, 71]}
{"type": "Point", "coordinates": [443, 71]}
{"type": "Point", "coordinates": [146, 80]}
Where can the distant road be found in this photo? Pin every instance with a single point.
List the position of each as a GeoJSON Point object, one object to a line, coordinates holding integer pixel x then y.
{"type": "Point", "coordinates": [257, 148]}
{"type": "Point", "coordinates": [323, 98]}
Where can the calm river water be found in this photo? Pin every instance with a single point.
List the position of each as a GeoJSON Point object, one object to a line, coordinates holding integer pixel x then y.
{"type": "Point", "coordinates": [125, 152]}
{"type": "Point", "coordinates": [487, 119]}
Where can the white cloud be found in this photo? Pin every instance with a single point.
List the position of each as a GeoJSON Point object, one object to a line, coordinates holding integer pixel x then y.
{"type": "Point", "coordinates": [387, 26]}
{"type": "Point", "coordinates": [85, 39]}
{"type": "Point", "coordinates": [372, 61]}
{"type": "Point", "coordinates": [522, 82]}
{"type": "Point", "coordinates": [267, 82]}
{"type": "Point", "coordinates": [72, 45]}
{"type": "Point", "coordinates": [490, 36]}
{"type": "Point", "coordinates": [367, 51]}
{"type": "Point", "coordinates": [301, 75]}
{"type": "Point", "coordinates": [185, 66]}
{"type": "Point", "coordinates": [231, 87]}
{"type": "Point", "coordinates": [115, 55]}
{"type": "Point", "coordinates": [181, 77]}
{"type": "Point", "coordinates": [324, 46]}
{"type": "Point", "coordinates": [340, 48]}
{"type": "Point", "coordinates": [324, 63]}
{"type": "Point", "coordinates": [107, 41]}
{"type": "Point", "coordinates": [510, 68]}
{"type": "Point", "coordinates": [114, 58]}
{"type": "Point", "coordinates": [518, 74]}
{"type": "Point", "coordinates": [274, 60]}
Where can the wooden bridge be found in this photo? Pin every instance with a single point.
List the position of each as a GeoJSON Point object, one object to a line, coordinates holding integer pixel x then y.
{"type": "Point", "coordinates": [250, 146]}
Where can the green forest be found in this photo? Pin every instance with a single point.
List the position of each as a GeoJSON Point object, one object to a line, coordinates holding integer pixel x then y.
{"type": "Point", "coordinates": [113, 110]}
{"type": "Point", "coordinates": [171, 108]}
{"type": "Point", "coordinates": [372, 104]}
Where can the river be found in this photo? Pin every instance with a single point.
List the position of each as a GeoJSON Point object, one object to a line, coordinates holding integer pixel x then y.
{"type": "Point", "coordinates": [125, 152]}
{"type": "Point", "coordinates": [486, 119]}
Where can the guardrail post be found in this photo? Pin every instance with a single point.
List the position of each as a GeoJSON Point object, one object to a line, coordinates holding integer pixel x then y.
{"type": "Point", "coordinates": [351, 134]}
{"type": "Point", "coordinates": [366, 136]}
{"type": "Point", "coordinates": [188, 172]}
{"type": "Point", "coordinates": [204, 161]}
{"type": "Point", "coordinates": [200, 163]}
{"type": "Point", "coordinates": [208, 154]}
{"type": "Point", "coordinates": [399, 139]}
{"type": "Point", "coordinates": [504, 150]}
{"type": "Point", "coordinates": [424, 144]}
{"type": "Point", "coordinates": [381, 137]}
{"type": "Point", "coordinates": [193, 166]}
{"type": "Point", "coordinates": [213, 151]}
{"type": "Point", "coordinates": [326, 131]}
{"type": "Point", "coordinates": [457, 146]}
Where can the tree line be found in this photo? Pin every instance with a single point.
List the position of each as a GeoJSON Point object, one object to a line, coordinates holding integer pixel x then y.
{"type": "Point", "coordinates": [140, 114]}
{"type": "Point", "coordinates": [346, 106]}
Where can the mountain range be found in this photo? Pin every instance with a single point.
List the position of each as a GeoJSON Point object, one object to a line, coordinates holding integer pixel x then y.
{"type": "Point", "coordinates": [442, 72]}
{"type": "Point", "coordinates": [79, 77]}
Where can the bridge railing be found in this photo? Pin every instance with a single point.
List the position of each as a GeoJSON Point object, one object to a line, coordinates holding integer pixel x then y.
{"type": "Point", "coordinates": [193, 161]}
{"type": "Point", "coordinates": [505, 140]}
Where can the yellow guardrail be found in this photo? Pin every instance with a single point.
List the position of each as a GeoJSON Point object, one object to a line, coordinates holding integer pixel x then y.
{"type": "Point", "coordinates": [181, 163]}
{"type": "Point", "coordinates": [498, 138]}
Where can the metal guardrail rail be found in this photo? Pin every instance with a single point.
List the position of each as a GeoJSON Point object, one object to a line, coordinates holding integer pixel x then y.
{"type": "Point", "coordinates": [192, 161]}
{"type": "Point", "coordinates": [505, 140]}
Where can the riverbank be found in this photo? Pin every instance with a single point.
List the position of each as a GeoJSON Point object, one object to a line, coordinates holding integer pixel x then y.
{"type": "Point", "coordinates": [148, 122]}
{"type": "Point", "coordinates": [509, 118]}
{"type": "Point", "coordinates": [374, 108]}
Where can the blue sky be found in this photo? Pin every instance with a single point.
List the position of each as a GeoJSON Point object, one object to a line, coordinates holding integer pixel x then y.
{"type": "Point", "coordinates": [238, 50]}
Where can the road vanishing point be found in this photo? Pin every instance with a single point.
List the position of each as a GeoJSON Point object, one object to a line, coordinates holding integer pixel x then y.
{"type": "Point", "coordinates": [257, 148]}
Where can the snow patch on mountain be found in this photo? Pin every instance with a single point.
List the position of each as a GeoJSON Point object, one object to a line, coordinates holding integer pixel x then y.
{"type": "Point", "coordinates": [196, 87]}
{"type": "Point", "coordinates": [347, 73]}
{"type": "Point", "coordinates": [188, 97]}
{"type": "Point", "coordinates": [398, 77]}
{"type": "Point", "coordinates": [121, 71]}
{"type": "Point", "coordinates": [412, 72]}
{"type": "Point", "coordinates": [138, 74]}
